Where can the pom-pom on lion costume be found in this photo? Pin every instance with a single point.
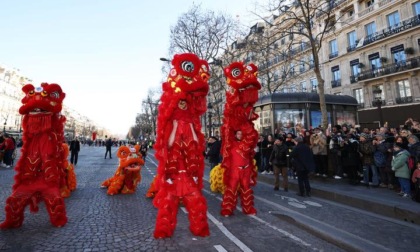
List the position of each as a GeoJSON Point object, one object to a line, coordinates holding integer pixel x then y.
{"type": "Point", "coordinates": [239, 138]}
{"type": "Point", "coordinates": [127, 176]}
{"type": "Point", "coordinates": [69, 181]}
{"type": "Point", "coordinates": [39, 171]}
{"type": "Point", "coordinates": [180, 145]}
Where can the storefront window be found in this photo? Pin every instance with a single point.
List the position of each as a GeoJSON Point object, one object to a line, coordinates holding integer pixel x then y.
{"type": "Point", "coordinates": [287, 119]}
{"type": "Point", "coordinates": [346, 117]}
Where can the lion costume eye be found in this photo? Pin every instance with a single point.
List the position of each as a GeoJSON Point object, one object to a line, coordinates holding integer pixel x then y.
{"type": "Point", "coordinates": [187, 66]}
{"type": "Point", "coordinates": [44, 93]}
{"type": "Point", "coordinates": [236, 72]}
{"type": "Point", "coordinates": [55, 95]}
{"type": "Point", "coordinates": [32, 92]}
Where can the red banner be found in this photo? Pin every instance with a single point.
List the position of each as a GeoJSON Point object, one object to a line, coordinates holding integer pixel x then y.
{"type": "Point", "coordinates": [93, 136]}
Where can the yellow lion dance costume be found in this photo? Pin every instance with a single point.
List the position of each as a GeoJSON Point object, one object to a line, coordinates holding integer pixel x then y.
{"type": "Point", "coordinates": [127, 176]}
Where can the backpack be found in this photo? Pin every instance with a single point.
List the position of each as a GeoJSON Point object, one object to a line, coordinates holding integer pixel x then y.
{"type": "Point", "coordinates": [411, 163]}
{"type": "Point", "coordinates": [379, 159]}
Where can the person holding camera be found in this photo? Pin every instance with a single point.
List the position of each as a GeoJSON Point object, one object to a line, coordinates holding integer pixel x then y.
{"type": "Point", "coordinates": [335, 145]}
{"type": "Point", "coordinates": [382, 158]}
{"type": "Point", "coordinates": [318, 145]}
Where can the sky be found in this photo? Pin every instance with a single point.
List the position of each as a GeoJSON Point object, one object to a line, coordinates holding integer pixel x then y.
{"type": "Point", "coordinates": [103, 53]}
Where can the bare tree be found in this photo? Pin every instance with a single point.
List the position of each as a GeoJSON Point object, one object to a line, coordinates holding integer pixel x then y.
{"type": "Point", "coordinates": [145, 123]}
{"type": "Point", "coordinates": [204, 33]}
{"type": "Point", "coordinates": [208, 35]}
{"type": "Point", "coordinates": [308, 22]}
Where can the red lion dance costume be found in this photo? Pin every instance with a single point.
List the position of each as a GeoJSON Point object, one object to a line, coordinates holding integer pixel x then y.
{"type": "Point", "coordinates": [239, 169]}
{"type": "Point", "coordinates": [127, 176]}
{"type": "Point", "coordinates": [39, 171]}
{"type": "Point", "coordinates": [180, 146]}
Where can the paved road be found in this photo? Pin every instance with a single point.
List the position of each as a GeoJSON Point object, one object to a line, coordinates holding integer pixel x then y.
{"type": "Point", "coordinates": [285, 222]}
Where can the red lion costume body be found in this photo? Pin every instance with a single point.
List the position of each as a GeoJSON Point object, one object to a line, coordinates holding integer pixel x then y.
{"type": "Point", "coordinates": [127, 176]}
{"type": "Point", "coordinates": [39, 171]}
{"type": "Point", "coordinates": [180, 146]}
{"type": "Point", "coordinates": [239, 169]}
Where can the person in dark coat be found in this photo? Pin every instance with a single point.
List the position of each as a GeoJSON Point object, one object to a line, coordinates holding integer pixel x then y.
{"type": "Point", "coordinates": [214, 152]}
{"type": "Point", "coordinates": [74, 150]}
{"type": "Point", "coordinates": [266, 151]}
{"type": "Point", "coordinates": [303, 161]}
{"type": "Point", "coordinates": [278, 159]}
{"type": "Point", "coordinates": [108, 145]}
{"type": "Point", "coordinates": [351, 158]}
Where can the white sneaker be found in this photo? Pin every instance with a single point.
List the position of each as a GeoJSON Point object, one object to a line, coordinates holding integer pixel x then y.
{"type": "Point", "coordinates": [270, 172]}
{"type": "Point", "coordinates": [317, 174]}
{"type": "Point", "coordinates": [337, 177]}
{"type": "Point", "coordinates": [264, 172]}
{"type": "Point", "coordinates": [8, 166]}
{"type": "Point", "coordinates": [405, 195]}
{"type": "Point", "coordinates": [3, 165]}
{"type": "Point", "coordinates": [324, 175]}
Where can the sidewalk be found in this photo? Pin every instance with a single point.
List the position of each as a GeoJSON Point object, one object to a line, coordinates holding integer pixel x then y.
{"type": "Point", "coordinates": [380, 201]}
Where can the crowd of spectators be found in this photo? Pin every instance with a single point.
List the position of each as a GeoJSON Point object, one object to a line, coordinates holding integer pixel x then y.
{"type": "Point", "coordinates": [384, 157]}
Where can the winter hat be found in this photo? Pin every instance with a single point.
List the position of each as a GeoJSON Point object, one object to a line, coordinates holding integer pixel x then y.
{"type": "Point", "coordinates": [364, 135]}
{"type": "Point", "coordinates": [381, 135]}
{"type": "Point", "coordinates": [399, 145]}
{"type": "Point", "coordinates": [299, 139]}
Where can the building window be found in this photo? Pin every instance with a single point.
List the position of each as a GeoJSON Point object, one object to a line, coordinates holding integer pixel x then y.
{"type": "Point", "coordinates": [358, 94]}
{"type": "Point", "coordinates": [303, 86]}
{"type": "Point", "coordinates": [403, 88]}
{"type": "Point", "coordinates": [333, 48]}
{"type": "Point", "coordinates": [374, 61]}
{"type": "Point", "coordinates": [336, 73]}
{"type": "Point", "coordinates": [370, 29]}
{"type": "Point", "coordinates": [416, 8]}
{"type": "Point", "coordinates": [302, 67]}
{"type": "Point", "coordinates": [311, 61]}
{"type": "Point", "coordinates": [351, 39]}
{"type": "Point", "coordinates": [355, 70]}
{"type": "Point", "coordinates": [314, 84]}
{"type": "Point", "coordinates": [292, 69]}
{"type": "Point", "coordinates": [398, 54]}
{"type": "Point", "coordinates": [381, 87]}
{"type": "Point", "coordinates": [393, 19]}
{"type": "Point", "coordinates": [336, 76]}
{"type": "Point", "coordinates": [370, 3]}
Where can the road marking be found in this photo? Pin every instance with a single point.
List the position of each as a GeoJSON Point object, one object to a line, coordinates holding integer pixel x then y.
{"type": "Point", "coordinates": [225, 231]}
{"type": "Point", "coordinates": [220, 248]}
{"type": "Point", "coordinates": [228, 234]}
{"type": "Point", "coordinates": [287, 234]}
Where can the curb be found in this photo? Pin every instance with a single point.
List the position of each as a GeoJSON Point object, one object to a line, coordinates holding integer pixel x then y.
{"type": "Point", "coordinates": [388, 209]}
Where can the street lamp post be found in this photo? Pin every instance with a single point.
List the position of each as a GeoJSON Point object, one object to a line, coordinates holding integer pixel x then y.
{"type": "Point", "coordinates": [377, 94]}
{"type": "Point", "coordinates": [210, 113]}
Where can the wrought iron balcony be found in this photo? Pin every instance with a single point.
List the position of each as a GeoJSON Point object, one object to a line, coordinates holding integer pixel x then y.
{"type": "Point", "coordinates": [392, 68]}
{"type": "Point", "coordinates": [354, 78]}
{"type": "Point", "coordinates": [333, 55]}
{"type": "Point", "coordinates": [401, 26]}
{"type": "Point", "coordinates": [351, 47]}
{"type": "Point", "coordinates": [376, 103]}
{"type": "Point", "coordinates": [406, 99]}
{"type": "Point", "coordinates": [336, 83]}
